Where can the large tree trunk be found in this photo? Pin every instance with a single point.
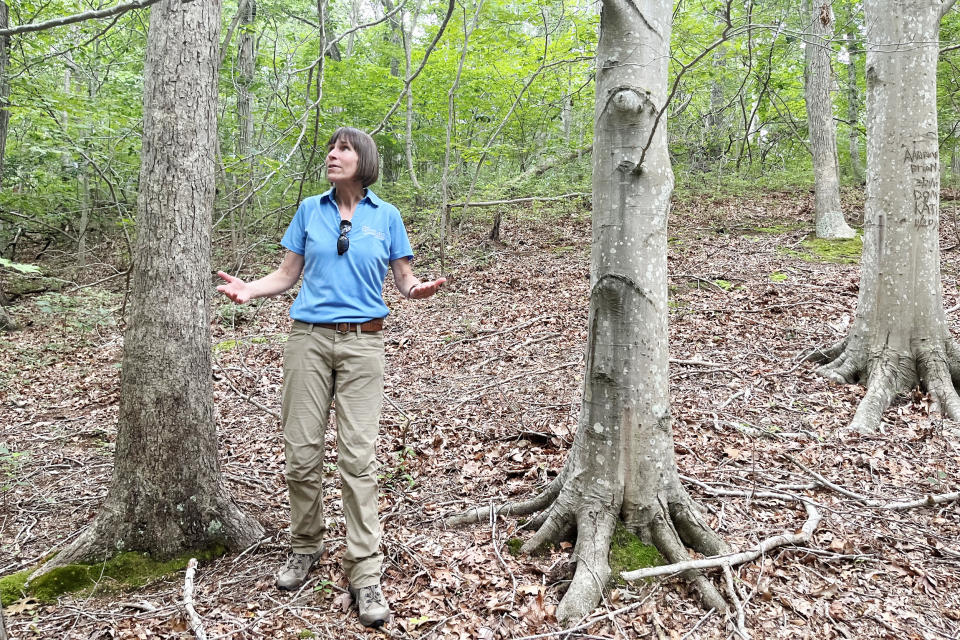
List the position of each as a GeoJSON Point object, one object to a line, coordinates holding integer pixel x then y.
{"type": "Point", "coordinates": [622, 466]}
{"type": "Point", "coordinates": [166, 497]}
{"type": "Point", "coordinates": [828, 215]}
{"type": "Point", "coordinates": [900, 337]}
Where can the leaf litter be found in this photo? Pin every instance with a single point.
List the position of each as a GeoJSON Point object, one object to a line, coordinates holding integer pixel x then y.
{"type": "Point", "coordinates": [483, 394]}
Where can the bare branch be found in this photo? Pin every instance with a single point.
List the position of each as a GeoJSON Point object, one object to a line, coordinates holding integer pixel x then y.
{"type": "Point", "coordinates": [77, 17]}
{"type": "Point", "coordinates": [733, 559]}
{"type": "Point", "coordinates": [945, 7]}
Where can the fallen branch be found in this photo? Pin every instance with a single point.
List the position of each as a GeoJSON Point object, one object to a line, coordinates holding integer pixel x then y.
{"type": "Point", "coordinates": [493, 203]}
{"type": "Point", "coordinates": [930, 500]}
{"type": "Point", "coordinates": [245, 396]}
{"type": "Point", "coordinates": [484, 336]}
{"type": "Point", "coordinates": [529, 374]}
{"type": "Point", "coordinates": [734, 559]}
{"type": "Point", "coordinates": [196, 622]}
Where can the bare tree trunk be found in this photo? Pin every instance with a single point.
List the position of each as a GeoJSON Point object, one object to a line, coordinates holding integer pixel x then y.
{"type": "Point", "coordinates": [622, 466]}
{"type": "Point", "coordinates": [818, 78]}
{"type": "Point", "coordinates": [166, 497]}
{"type": "Point", "coordinates": [4, 86]}
{"type": "Point", "coordinates": [408, 33]}
{"type": "Point", "coordinates": [853, 110]}
{"type": "Point", "coordinates": [900, 337]}
{"type": "Point", "coordinates": [445, 223]}
{"type": "Point", "coordinates": [246, 74]}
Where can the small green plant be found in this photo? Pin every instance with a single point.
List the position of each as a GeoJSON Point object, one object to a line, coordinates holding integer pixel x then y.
{"type": "Point", "coordinates": [726, 285]}
{"type": "Point", "coordinates": [514, 545]}
{"type": "Point", "coordinates": [401, 471]}
{"type": "Point", "coordinates": [10, 464]}
{"type": "Point", "coordinates": [229, 314]}
{"type": "Point", "coordinates": [776, 276]}
{"type": "Point", "coordinates": [325, 587]}
{"type": "Point", "coordinates": [306, 633]}
{"type": "Point", "coordinates": [84, 312]}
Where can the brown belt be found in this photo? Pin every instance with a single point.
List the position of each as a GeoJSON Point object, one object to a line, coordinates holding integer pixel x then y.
{"type": "Point", "coordinates": [370, 326]}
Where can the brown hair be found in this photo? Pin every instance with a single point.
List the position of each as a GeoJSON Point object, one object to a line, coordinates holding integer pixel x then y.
{"type": "Point", "coordinates": [368, 161]}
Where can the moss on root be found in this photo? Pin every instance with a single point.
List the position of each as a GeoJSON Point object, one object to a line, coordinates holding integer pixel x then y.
{"type": "Point", "coordinates": [120, 573]}
{"type": "Point", "coordinates": [628, 553]}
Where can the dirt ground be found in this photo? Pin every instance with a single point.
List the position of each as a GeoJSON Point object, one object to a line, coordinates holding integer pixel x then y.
{"type": "Point", "coordinates": [483, 392]}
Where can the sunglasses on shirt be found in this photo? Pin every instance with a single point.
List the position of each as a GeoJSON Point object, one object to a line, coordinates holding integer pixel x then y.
{"type": "Point", "coordinates": [343, 242]}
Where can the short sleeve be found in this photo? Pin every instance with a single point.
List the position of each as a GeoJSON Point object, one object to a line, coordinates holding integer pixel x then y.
{"type": "Point", "coordinates": [295, 238]}
{"type": "Point", "coordinates": [399, 241]}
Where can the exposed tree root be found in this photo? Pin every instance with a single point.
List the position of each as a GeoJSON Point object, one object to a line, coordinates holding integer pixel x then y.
{"type": "Point", "coordinates": [222, 525]}
{"type": "Point", "coordinates": [565, 511]}
{"type": "Point", "coordinates": [934, 366]}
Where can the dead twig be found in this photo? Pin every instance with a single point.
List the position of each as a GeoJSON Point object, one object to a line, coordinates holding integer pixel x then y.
{"type": "Point", "coordinates": [243, 395]}
{"type": "Point", "coordinates": [491, 334]}
{"type": "Point", "coordinates": [196, 622]}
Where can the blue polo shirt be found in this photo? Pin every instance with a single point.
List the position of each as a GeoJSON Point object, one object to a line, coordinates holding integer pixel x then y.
{"type": "Point", "coordinates": [348, 287]}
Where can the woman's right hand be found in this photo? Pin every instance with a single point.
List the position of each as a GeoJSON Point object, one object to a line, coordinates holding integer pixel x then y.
{"type": "Point", "coordinates": [235, 289]}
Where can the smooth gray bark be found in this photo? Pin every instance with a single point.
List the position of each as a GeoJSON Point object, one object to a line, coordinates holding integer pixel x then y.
{"type": "Point", "coordinates": [166, 497]}
{"type": "Point", "coordinates": [621, 466]}
{"type": "Point", "coordinates": [818, 77]}
{"type": "Point", "coordinates": [900, 337]}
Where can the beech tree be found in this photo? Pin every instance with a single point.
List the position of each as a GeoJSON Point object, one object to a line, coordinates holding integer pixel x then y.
{"type": "Point", "coordinates": [621, 467]}
{"type": "Point", "coordinates": [900, 338]}
{"type": "Point", "coordinates": [818, 78]}
{"type": "Point", "coordinates": [166, 497]}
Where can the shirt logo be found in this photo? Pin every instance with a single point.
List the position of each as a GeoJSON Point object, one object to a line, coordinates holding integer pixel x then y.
{"type": "Point", "coordinates": [369, 231]}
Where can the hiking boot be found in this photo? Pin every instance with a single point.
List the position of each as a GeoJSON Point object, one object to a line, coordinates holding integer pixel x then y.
{"type": "Point", "coordinates": [372, 606]}
{"type": "Point", "coordinates": [294, 573]}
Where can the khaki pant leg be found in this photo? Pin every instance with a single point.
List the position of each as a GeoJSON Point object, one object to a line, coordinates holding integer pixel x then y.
{"type": "Point", "coordinates": [307, 389]}
{"type": "Point", "coordinates": [359, 398]}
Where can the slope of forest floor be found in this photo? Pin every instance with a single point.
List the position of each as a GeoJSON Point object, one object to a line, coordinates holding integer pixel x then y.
{"type": "Point", "coordinates": [483, 391]}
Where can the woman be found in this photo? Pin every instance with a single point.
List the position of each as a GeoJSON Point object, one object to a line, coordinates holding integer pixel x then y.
{"type": "Point", "coordinates": [342, 242]}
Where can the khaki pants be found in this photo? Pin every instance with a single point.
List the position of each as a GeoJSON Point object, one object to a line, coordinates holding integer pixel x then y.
{"type": "Point", "coordinates": [320, 365]}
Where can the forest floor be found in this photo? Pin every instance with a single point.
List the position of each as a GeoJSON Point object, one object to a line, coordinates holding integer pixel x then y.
{"type": "Point", "coordinates": [483, 388]}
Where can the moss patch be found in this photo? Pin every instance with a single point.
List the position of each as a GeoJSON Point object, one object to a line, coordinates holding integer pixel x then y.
{"type": "Point", "coordinates": [777, 276]}
{"type": "Point", "coordinates": [628, 553]}
{"type": "Point", "coordinates": [122, 572]}
{"type": "Point", "coordinates": [514, 545]}
{"type": "Point", "coordinates": [836, 251]}
{"type": "Point", "coordinates": [13, 587]}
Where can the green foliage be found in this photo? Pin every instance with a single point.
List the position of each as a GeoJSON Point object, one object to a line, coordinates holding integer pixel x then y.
{"type": "Point", "coordinates": [83, 312]}
{"type": "Point", "coordinates": [628, 553]}
{"type": "Point", "coordinates": [400, 473]}
{"type": "Point", "coordinates": [776, 276]}
{"type": "Point", "coordinates": [10, 464]}
{"type": "Point", "coordinates": [514, 545]}
{"type": "Point", "coordinates": [16, 266]}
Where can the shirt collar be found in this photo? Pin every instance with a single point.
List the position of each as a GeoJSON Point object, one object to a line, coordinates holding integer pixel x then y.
{"type": "Point", "coordinates": [371, 197]}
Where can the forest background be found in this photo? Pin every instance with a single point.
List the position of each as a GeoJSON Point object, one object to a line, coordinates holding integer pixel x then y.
{"type": "Point", "coordinates": [496, 106]}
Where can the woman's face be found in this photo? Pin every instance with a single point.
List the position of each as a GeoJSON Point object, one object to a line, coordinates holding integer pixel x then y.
{"type": "Point", "coordinates": [342, 160]}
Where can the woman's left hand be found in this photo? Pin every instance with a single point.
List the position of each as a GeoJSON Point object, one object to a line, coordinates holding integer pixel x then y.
{"type": "Point", "coordinates": [426, 289]}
